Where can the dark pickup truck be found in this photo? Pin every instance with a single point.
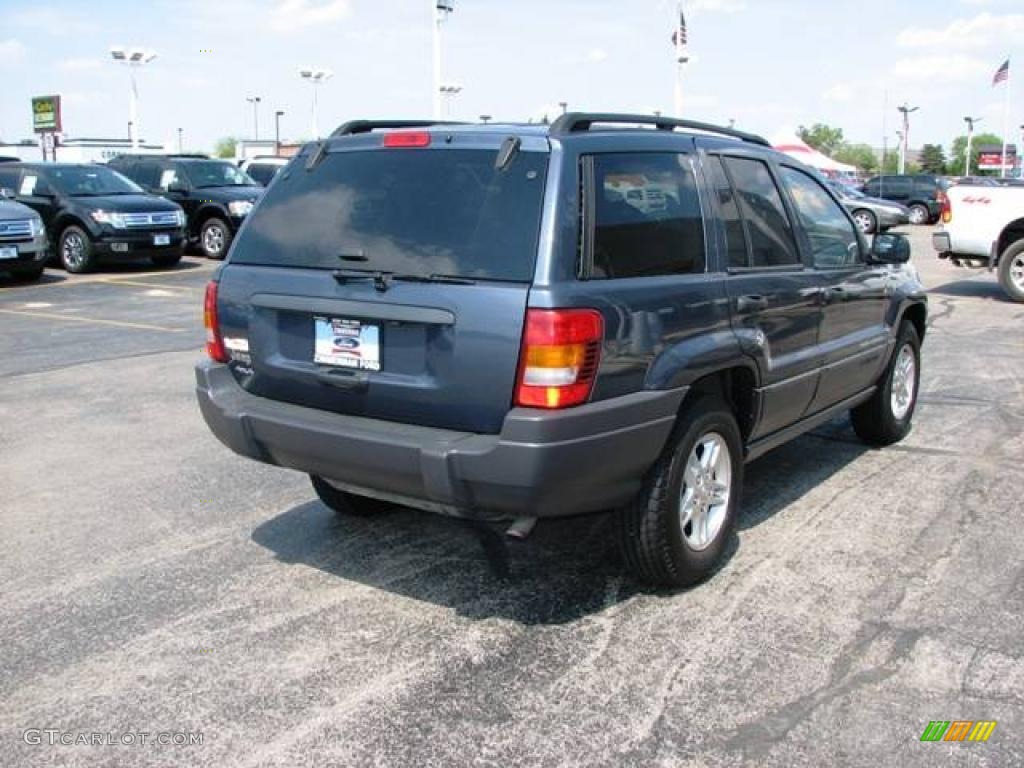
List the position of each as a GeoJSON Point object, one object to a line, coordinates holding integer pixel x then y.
{"type": "Point", "coordinates": [513, 322]}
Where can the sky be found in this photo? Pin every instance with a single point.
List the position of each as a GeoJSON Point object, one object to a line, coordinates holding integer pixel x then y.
{"type": "Point", "coordinates": [768, 64]}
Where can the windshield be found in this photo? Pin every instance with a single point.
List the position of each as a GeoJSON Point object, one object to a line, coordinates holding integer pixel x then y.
{"type": "Point", "coordinates": [90, 181]}
{"type": "Point", "coordinates": [419, 212]}
{"type": "Point", "coordinates": [214, 173]}
{"type": "Point", "coordinates": [845, 190]}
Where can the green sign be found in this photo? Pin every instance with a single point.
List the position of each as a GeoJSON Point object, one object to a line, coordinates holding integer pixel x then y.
{"type": "Point", "coordinates": [46, 114]}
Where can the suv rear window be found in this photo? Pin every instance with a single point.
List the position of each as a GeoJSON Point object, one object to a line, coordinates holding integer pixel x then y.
{"type": "Point", "coordinates": [406, 211]}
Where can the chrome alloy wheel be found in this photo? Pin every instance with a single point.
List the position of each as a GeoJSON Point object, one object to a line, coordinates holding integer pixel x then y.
{"type": "Point", "coordinates": [904, 382]}
{"type": "Point", "coordinates": [1017, 272]}
{"type": "Point", "coordinates": [213, 240]}
{"type": "Point", "coordinates": [865, 222]}
{"type": "Point", "coordinates": [72, 250]}
{"type": "Point", "coordinates": [705, 492]}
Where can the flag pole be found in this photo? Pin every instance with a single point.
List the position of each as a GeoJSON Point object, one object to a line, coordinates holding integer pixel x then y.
{"type": "Point", "coordinates": [679, 63]}
{"type": "Point", "coordinates": [1006, 121]}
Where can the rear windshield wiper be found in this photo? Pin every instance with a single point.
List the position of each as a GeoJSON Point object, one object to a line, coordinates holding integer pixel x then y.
{"type": "Point", "coordinates": [435, 278]}
{"type": "Point", "coordinates": [382, 280]}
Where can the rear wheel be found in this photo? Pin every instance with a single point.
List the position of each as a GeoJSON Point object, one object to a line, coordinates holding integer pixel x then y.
{"type": "Point", "coordinates": [676, 529]}
{"type": "Point", "coordinates": [866, 222]}
{"type": "Point", "coordinates": [215, 238]}
{"type": "Point", "coordinates": [76, 251]}
{"type": "Point", "coordinates": [1011, 271]}
{"type": "Point", "coordinates": [886, 418]}
{"type": "Point", "coordinates": [347, 503]}
{"type": "Point", "coordinates": [919, 214]}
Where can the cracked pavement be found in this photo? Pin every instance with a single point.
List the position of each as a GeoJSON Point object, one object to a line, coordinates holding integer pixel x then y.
{"type": "Point", "coordinates": [153, 581]}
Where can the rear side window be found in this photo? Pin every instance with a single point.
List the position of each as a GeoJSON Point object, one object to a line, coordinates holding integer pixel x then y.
{"type": "Point", "coordinates": [771, 236]}
{"type": "Point", "coordinates": [729, 211]}
{"type": "Point", "coordinates": [647, 218]}
{"type": "Point", "coordinates": [145, 172]}
{"type": "Point", "coordinates": [262, 172]}
{"type": "Point", "coordinates": [9, 177]}
{"type": "Point", "coordinates": [406, 211]}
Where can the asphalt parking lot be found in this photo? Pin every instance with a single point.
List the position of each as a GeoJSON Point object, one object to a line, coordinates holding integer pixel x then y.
{"type": "Point", "coordinates": [155, 582]}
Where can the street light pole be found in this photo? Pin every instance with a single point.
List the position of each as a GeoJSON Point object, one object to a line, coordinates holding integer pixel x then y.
{"type": "Point", "coordinates": [449, 91]}
{"type": "Point", "coordinates": [255, 101]}
{"type": "Point", "coordinates": [180, 141]}
{"type": "Point", "coordinates": [277, 131]}
{"type": "Point", "coordinates": [970, 136]}
{"type": "Point", "coordinates": [440, 10]}
{"type": "Point", "coordinates": [315, 76]}
{"type": "Point", "coordinates": [906, 109]}
{"type": "Point", "coordinates": [133, 59]}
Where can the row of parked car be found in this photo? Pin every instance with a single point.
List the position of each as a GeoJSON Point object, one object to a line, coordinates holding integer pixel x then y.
{"type": "Point", "coordinates": [137, 206]}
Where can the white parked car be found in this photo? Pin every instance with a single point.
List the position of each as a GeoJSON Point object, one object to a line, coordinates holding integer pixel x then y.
{"type": "Point", "coordinates": [984, 227]}
{"type": "Point", "coordinates": [264, 167]}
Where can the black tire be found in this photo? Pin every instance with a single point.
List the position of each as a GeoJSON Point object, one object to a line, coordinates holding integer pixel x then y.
{"type": "Point", "coordinates": [866, 221]}
{"type": "Point", "coordinates": [29, 275]}
{"type": "Point", "coordinates": [919, 214]}
{"type": "Point", "coordinates": [874, 421]}
{"type": "Point", "coordinates": [1011, 271]}
{"type": "Point", "coordinates": [652, 535]}
{"type": "Point", "coordinates": [75, 250]}
{"type": "Point", "coordinates": [347, 504]}
{"type": "Point", "coordinates": [215, 238]}
{"type": "Point", "coordinates": [166, 259]}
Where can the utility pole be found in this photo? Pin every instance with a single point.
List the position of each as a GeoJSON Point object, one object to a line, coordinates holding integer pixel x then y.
{"type": "Point", "coordinates": [255, 101]}
{"type": "Point", "coordinates": [440, 10]}
{"type": "Point", "coordinates": [906, 109]}
{"type": "Point", "coordinates": [970, 136]}
{"type": "Point", "coordinates": [564, 105]}
{"type": "Point", "coordinates": [277, 131]}
{"type": "Point", "coordinates": [180, 142]}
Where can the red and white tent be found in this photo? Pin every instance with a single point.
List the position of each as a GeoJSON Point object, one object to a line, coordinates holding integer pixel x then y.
{"type": "Point", "coordinates": [794, 146]}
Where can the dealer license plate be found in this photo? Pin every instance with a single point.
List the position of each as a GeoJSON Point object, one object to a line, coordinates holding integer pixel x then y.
{"type": "Point", "coordinates": [347, 343]}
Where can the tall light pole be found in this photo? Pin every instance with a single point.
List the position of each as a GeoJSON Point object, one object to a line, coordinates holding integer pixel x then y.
{"type": "Point", "coordinates": [255, 101]}
{"type": "Point", "coordinates": [485, 119]}
{"type": "Point", "coordinates": [180, 141]}
{"type": "Point", "coordinates": [440, 10]}
{"type": "Point", "coordinates": [315, 76]}
{"type": "Point", "coordinates": [449, 91]}
{"type": "Point", "coordinates": [905, 110]}
{"type": "Point", "coordinates": [564, 105]}
{"type": "Point", "coordinates": [133, 59]}
{"type": "Point", "coordinates": [970, 137]}
{"type": "Point", "coordinates": [277, 131]}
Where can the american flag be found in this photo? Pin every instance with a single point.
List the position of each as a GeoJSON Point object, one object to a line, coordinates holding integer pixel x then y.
{"type": "Point", "coordinates": [1002, 74]}
{"type": "Point", "coordinates": [679, 36]}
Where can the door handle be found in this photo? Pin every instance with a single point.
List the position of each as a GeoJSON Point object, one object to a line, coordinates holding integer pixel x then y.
{"type": "Point", "coordinates": [751, 303]}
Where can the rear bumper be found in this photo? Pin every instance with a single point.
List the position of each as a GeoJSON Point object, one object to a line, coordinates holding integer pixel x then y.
{"type": "Point", "coordinates": [542, 464]}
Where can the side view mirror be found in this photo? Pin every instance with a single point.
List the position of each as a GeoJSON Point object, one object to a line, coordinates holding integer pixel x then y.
{"type": "Point", "coordinates": [890, 249]}
{"type": "Point", "coordinates": [7, 192]}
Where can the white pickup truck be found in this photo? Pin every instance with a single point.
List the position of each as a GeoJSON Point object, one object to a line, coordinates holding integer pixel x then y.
{"type": "Point", "coordinates": [984, 227]}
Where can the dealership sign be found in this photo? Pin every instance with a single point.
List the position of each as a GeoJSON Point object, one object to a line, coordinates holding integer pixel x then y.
{"type": "Point", "coordinates": [990, 157]}
{"type": "Point", "coordinates": [46, 114]}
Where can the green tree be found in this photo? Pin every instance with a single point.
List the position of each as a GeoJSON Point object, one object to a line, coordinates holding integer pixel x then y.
{"type": "Point", "coordinates": [225, 147]}
{"type": "Point", "coordinates": [891, 161]}
{"type": "Point", "coordinates": [860, 155]}
{"type": "Point", "coordinates": [824, 138]}
{"type": "Point", "coordinates": [956, 153]}
{"type": "Point", "coordinates": [933, 159]}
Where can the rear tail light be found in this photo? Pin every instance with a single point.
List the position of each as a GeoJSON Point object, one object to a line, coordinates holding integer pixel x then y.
{"type": "Point", "coordinates": [559, 359]}
{"type": "Point", "coordinates": [214, 342]}
{"type": "Point", "coordinates": [407, 139]}
{"type": "Point", "coordinates": [945, 208]}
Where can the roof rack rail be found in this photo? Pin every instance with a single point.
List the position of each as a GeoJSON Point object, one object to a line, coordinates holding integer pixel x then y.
{"type": "Point", "coordinates": [365, 126]}
{"type": "Point", "coordinates": [576, 122]}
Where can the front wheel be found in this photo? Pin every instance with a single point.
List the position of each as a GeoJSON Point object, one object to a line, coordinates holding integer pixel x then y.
{"type": "Point", "coordinates": [886, 418]}
{"type": "Point", "coordinates": [76, 251]}
{"type": "Point", "coordinates": [865, 221]}
{"type": "Point", "coordinates": [676, 529]}
{"type": "Point", "coordinates": [347, 504]}
{"type": "Point", "coordinates": [1011, 271]}
{"type": "Point", "coordinates": [919, 214]}
{"type": "Point", "coordinates": [215, 238]}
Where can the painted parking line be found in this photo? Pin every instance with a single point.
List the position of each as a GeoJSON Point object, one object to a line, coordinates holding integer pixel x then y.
{"type": "Point", "coordinates": [70, 282]}
{"type": "Point", "coordinates": [78, 319]}
{"type": "Point", "coordinates": [161, 286]}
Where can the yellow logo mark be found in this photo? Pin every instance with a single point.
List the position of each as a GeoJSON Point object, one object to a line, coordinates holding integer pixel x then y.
{"type": "Point", "coordinates": [982, 730]}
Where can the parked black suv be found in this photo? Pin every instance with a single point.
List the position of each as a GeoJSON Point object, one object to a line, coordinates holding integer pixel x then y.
{"type": "Point", "coordinates": [921, 193]}
{"type": "Point", "coordinates": [215, 194]}
{"type": "Point", "coordinates": [508, 321]}
{"type": "Point", "coordinates": [92, 213]}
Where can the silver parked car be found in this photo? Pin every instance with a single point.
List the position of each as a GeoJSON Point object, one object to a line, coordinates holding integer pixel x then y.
{"type": "Point", "coordinates": [24, 247]}
{"type": "Point", "coordinates": [872, 214]}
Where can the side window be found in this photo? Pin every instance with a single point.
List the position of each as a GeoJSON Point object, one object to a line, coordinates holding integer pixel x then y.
{"type": "Point", "coordinates": [9, 178]}
{"type": "Point", "coordinates": [647, 216]}
{"type": "Point", "coordinates": [144, 172]}
{"type": "Point", "coordinates": [168, 176]}
{"type": "Point", "coordinates": [771, 237]}
{"type": "Point", "coordinates": [834, 241]}
{"type": "Point", "coordinates": [728, 208]}
{"type": "Point", "coordinates": [872, 187]}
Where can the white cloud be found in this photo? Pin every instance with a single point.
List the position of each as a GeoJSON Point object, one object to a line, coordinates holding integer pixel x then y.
{"type": "Point", "coordinates": [54, 21]}
{"type": "Point", "coordinates": [984, 29]}
{"type": "Point", "coordinates": [841, 92]}
{"type": "Point", "coordinates": [296, 14]}
{"type": "Point", "coordinates": [948, 67]}
{"type": "Point", "coordinates": [595, 55]}
{"type": "Point", "coordinates": [11, 50]}
{"type": "Point", "coordinates": [721, 6]}
{"type": "Point", "coordinates": [79, 65]}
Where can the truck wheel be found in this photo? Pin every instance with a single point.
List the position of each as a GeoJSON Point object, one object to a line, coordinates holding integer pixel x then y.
{"type": "Point", "coordinates": [674, 532]}
{"type": "Point", "coordinates": [919, 214]}
{"type": "Point", "coordinates": [1011, 271]}
{"type": "Point", "coordinates": [347, 504]}
{"type": "Point", "coordinates": [75, 250]}
{"type": "Point", "coordinates": [885, 418]}
{"type": "Point", "coordinates": [866, 221]}
{"type": "Point", "coordinates": [215, 238]}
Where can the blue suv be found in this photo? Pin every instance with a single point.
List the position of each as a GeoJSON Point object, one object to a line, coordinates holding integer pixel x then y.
{"type": "Point", "coordinates": [520, 321]}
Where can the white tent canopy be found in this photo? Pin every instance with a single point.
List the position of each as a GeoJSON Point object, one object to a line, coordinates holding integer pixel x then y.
{"type": "Point", "coordinates": [788, 142]}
